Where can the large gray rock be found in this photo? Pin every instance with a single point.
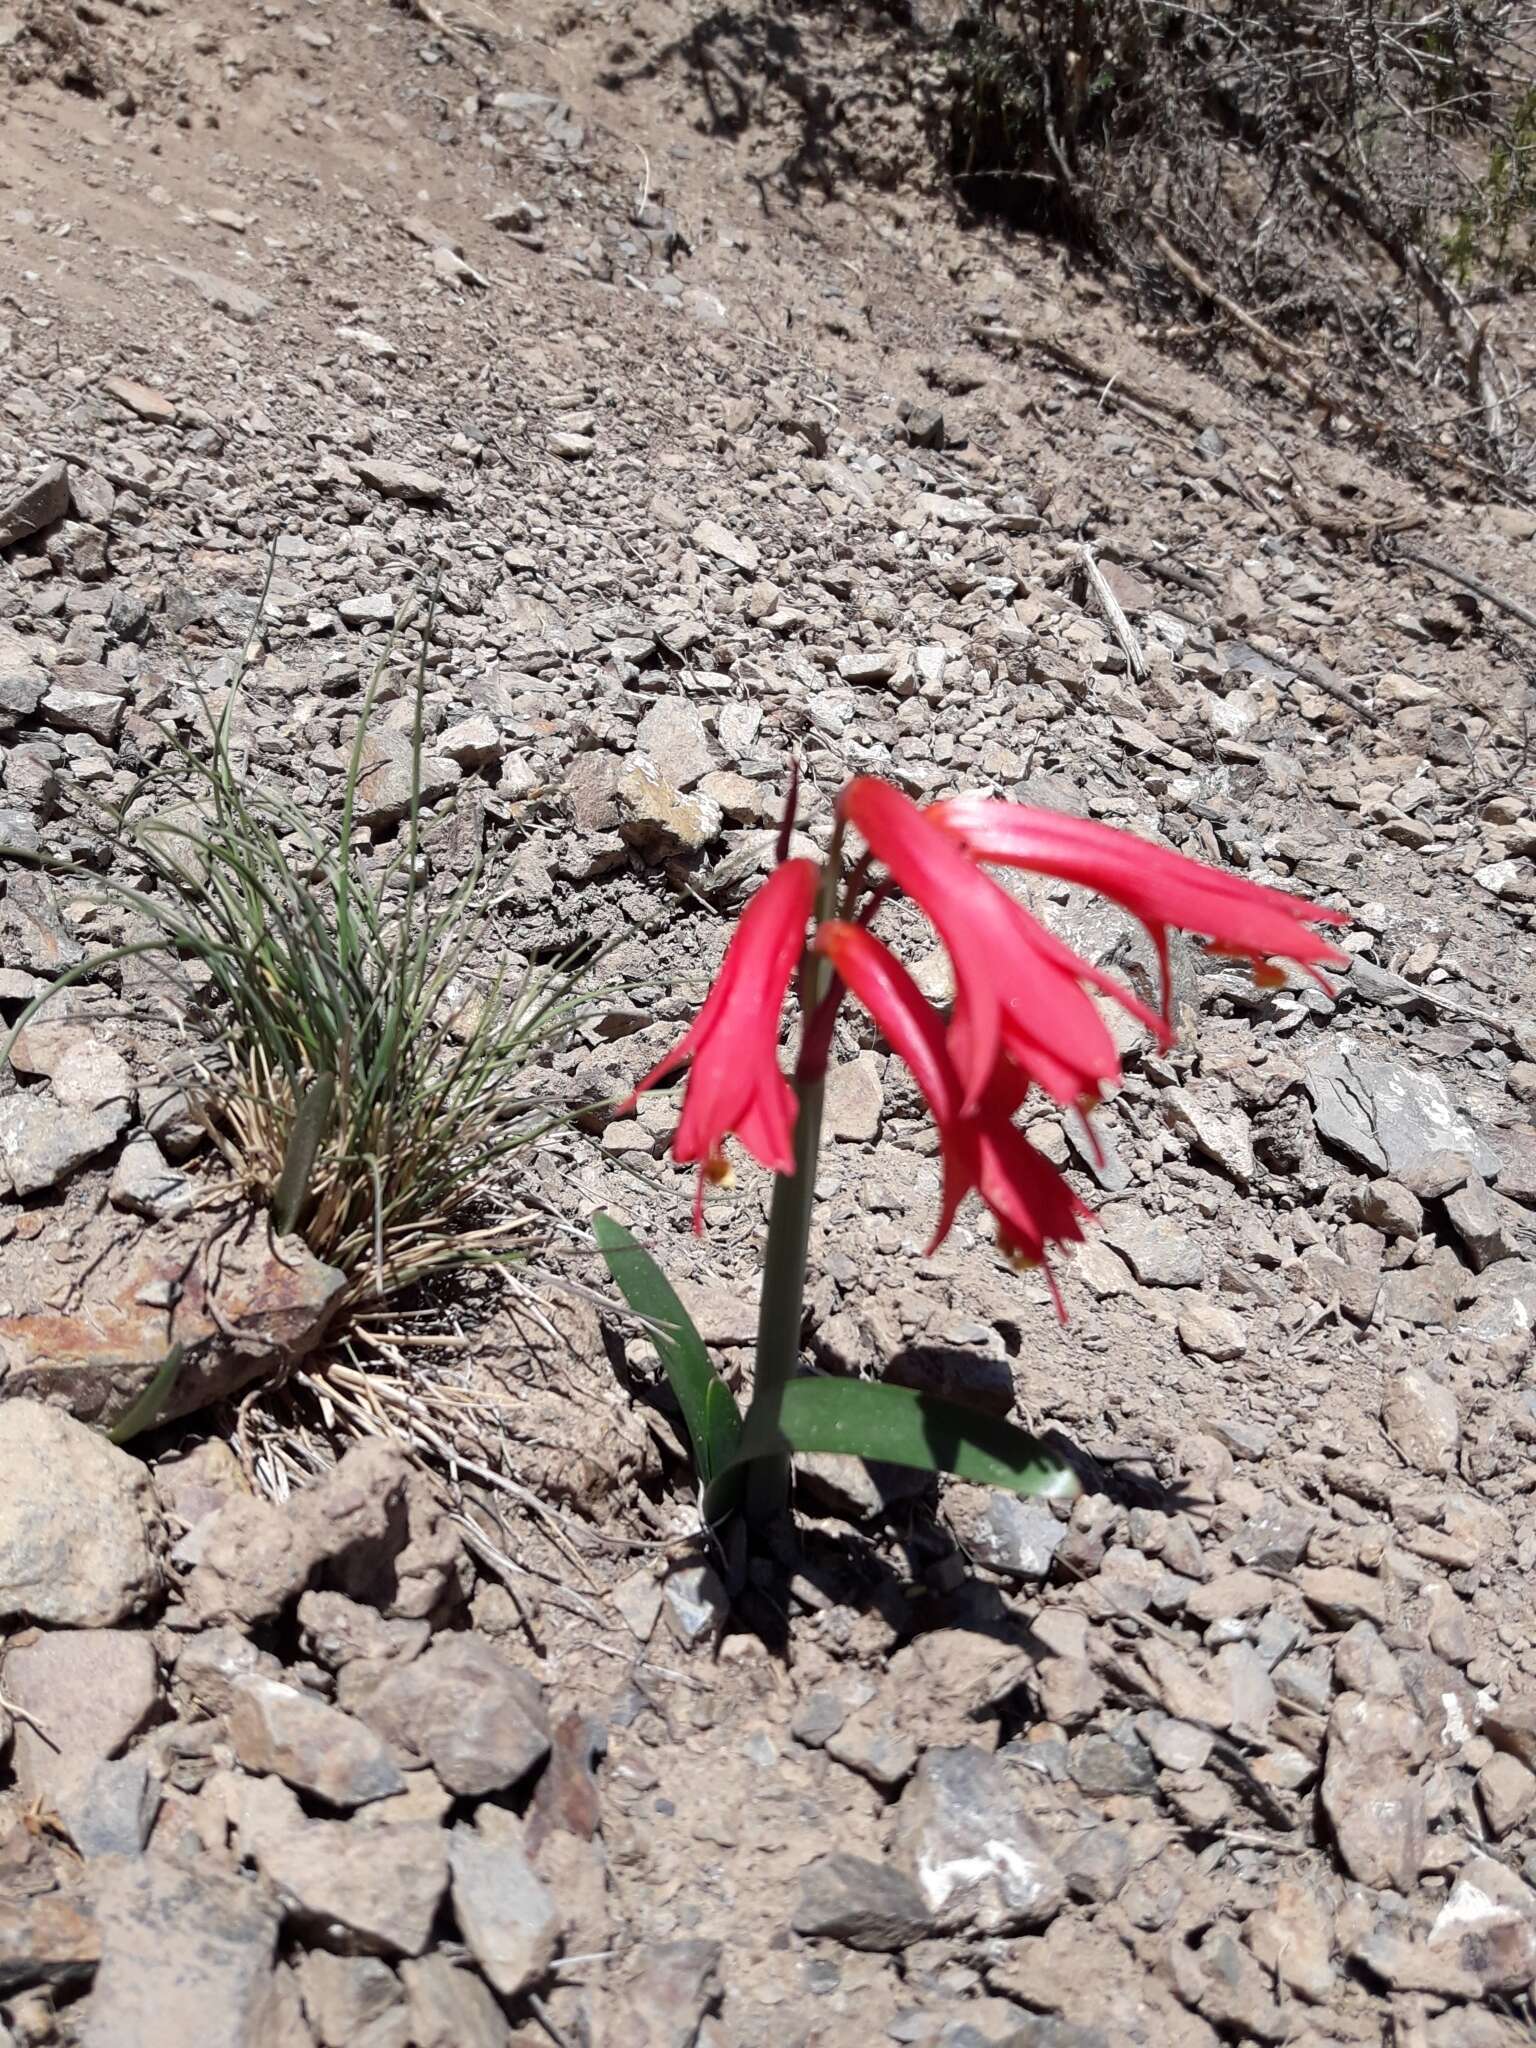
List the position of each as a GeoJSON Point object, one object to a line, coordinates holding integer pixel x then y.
{"type": "Point", "coordinates": [276, 1728]}
{"type": "Point", "coordinates": [1390, 1118]}
{"type": "Point", "coordinates": [256, 1307]}
{"type": "Point", "coordinates": [467, 1710]}
{"type": "Point", "coordinates": [964, 1833]}
{"type": "Point", "coordinates": [43, 1143]}
{"type": "Point", "coordinates": [504, 1910]}
{"type": "Point", "coordinates": [77, 1522]}
{"type": "Point", "coordinates": [1371, 1794]}
{"type": "Point", "coordinates": [28, 508]}
{"type": "Point", "coordinates": [186, 1955]}
{"type": "Point", "coordinates": [84, 1695]}
{"type": "Point", "coordinates": [859, 1903]}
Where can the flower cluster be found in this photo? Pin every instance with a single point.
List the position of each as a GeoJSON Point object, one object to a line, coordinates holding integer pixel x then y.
{"type": "Point", "coordinates": [1022, 1016]}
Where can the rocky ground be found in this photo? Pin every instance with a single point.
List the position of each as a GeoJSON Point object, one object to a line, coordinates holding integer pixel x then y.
{"type": "Point", "coordinates": [722, 455]}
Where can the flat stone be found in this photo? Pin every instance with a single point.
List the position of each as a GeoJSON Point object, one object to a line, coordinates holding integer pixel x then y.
{"type": "Point", "coordinates": [47, 1939]}
{"type": "Point", "coordinates": [238, 1317]}
{"type": "Point", "coordinates": [964, 1833]}
{"type": "Point", "coordinates": [1223, 1137]}
{"type": "Point", "coordinates": [92, 712]}
{"type": "Point", "coordinates": [29, 508]}
{"type": "Point", "coordinates": [468, 1710]}
{"type": "Point", "coordinates": [863, 1905]}
{"type": "Point", "coordinates": [400, 480]}
{"type": "Point", "coordinates": [347, 1997]}
{"type": "Point", "coordinates": [142, 400]}
{"type": "Point", "coordinates": [92, 1076]}
{"type": "Point", "coordinates": [1420, 1420]}
{"type": "Point", "coordinates": [382, 1887]}
{"type": "Point", "coordinates": [714, 539]}
{"type": "Point", "coordinates": [1017, 1537]}
{"type": "Point", "coordinates": [373, 608]}
{"type": "Point", "coordinates": [1157, 1252]}
{"type": "Point", "coordinates": [1388, 1117]}
{"type": "Point", "coordinates": [1293, 1936]}
{"type": "Point", "coordinates": [504, 1910]}
{"type": "Point", "coordinates": [1211, 1331]}
{"type": "Point", "coordinates": [239, 301]}
{"type": "Point", "coordinates": [695, 1603]}
{"type": "Point", "coordinates": [77, 1522]}
{"type": "Point", "coordinates": [472, 742]}
{"type": "Point", "coordinates": [855, 1100]}
{"type": "Point", "coordinates": [1370, 1794]}
{"type": "Point", "coordinates": [673, 738]}
{"type": "Point", "coordinates": [660, 821]}
{"type": "Point", "coordinates": [110, 1809]}
{"type": "Point", "coordinates": [315, 1747]}
{"type": "Point", "coordinates": [450, 2007]}
{"type": "Point", "coordinates": [1343, 1596]}
{"type": "Point", "coordinates": [85, 1694]}
{"type": "Point", "coordinates": [186, 1955]}
{"type": "Point", "coordinates": [43, 1144]}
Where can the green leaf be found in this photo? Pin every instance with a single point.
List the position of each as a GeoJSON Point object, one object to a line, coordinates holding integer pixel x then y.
{"type": "Point", "coordinates": [145, 1412]}
{"type": "Point", "coordinates": [897, 1426]}
{"type": "Point", "coordinates": [304, 1142]}
{"type": "Point", "coordinates": [709, 1408]}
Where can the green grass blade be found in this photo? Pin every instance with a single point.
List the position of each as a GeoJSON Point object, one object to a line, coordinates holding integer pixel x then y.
{"type": "Point", "coordinates": [304, 1142]}
{"type": "Point", "coordinates": [897, 1426]}
{"type": "Point", "coordinates": [145, 1412]}
{"type": "Point", "coordinates": [709, 1408]}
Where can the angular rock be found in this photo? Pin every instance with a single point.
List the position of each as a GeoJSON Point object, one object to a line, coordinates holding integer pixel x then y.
{"type": "Point", "coordinates": [1488, 1927]}
{"type": "Point", "coordinates": [239, 301]}
{"type": "Point", "coordinates": [400, 480]}
{"type": "Point", "coordinates": [85, 1694]}
{"type": "Point", "coordinates": [382, 1887]}
{"type": "Point", "coordinates": [247, 1312]}
{"type": "Point", "coordinates": [142, 400]}
{"type": "Point", "coordinates": [504, 1910]}
{"type": "Point", "coordinates": [964, 1833]}
{"type": "Point", "coordinates": [1208, 1330]}
{"type": "Point", "coordinates": [660, 821]}
{"type": "Point", "coordinates": [347, 1997]}
{"type": "Point", "coordinates": [186, 1955]}
{"type": "Point", "coordinates": [1015, 1536]}
{"type": "Point", "coordinates": [1506, 1791]}
{"type": "Point", "coordinates": [50, 1939]}
{"type": "Point", "coordinates": [665, 2005]}
{"type": "Point", "coordinates": [672, 737]}
{"type": "Point", "coordinates": [450, 2007]}
{"type": "Point", "coordinates": [276, 1728]}
{"type": "Point", "coordinates": [1157, 1252]}
{"type": "Point", "coordinates": [1370, 1794]}
{"type": "Point", "coordinates": [854, 1100]}
{"type": "Point", "coordinates": [1420, 1419]}
{"type": "Point", "coordinates": [145, 1184]}
{"type": "Point", "coordinates": [110, 1810]}
{"type": "Point", "coordinates": [736, 549]}
{"type": "Point", "coordinates": [42, 1144]}
{"type": "Point", "coordinates": [1389, 1118]}
{"type": "Point", "coordinates": [1490, 1227]}
{"type": "Point", "coordinates": [466, 1709]}
{"type": "Point", "coordinates": [862, 1904]}
{"type": "Point", "coordinates": [1293, 1936]}
{"type": "Point", "coordinates": [1343, 1596]}
{"type": "Point", "coordinates": [77, 1522]}
{"type": "Point", "coordinates": [34, 506]}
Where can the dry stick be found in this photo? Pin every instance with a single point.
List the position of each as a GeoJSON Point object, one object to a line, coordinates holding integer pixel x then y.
{"type": "Point", "coordinates": [1280, 354]}
{"type": "Point", "coordinates": [1408, 553]}
{"type": "Point", "coordinates": [1109, 604]}
{"type": "Point", "coordinates": [1124, 392]}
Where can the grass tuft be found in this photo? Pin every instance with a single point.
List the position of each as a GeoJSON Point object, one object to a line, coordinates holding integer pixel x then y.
{"type": "Point", "coordinates": [347, 1084]}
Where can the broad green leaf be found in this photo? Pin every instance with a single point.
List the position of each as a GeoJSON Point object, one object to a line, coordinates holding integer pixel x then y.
{"type": "Point", "coordinates": [145, 1412]}
{"type": "Point", "coordinates": [709, 1408]}
{"type": "Point", "coordinates": [897, 1426]}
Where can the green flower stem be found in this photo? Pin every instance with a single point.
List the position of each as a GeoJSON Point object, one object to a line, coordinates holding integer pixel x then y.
{"type": "Point", "coordinates": [781, 1309]}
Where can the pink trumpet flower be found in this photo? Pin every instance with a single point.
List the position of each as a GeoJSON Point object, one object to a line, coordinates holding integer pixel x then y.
{"type": "Point", "coordinates": [735, 1085]}
{"type": "Point", "coordinates": [1245, 920]}
{"type": "Point", "coordinates": [981, 1149]}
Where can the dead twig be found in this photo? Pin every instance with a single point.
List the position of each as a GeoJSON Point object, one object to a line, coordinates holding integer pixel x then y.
{"type": "Point", "coordinates": [1109, 604]}
{"type": "Point", "coordinates": [1438, 566]}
